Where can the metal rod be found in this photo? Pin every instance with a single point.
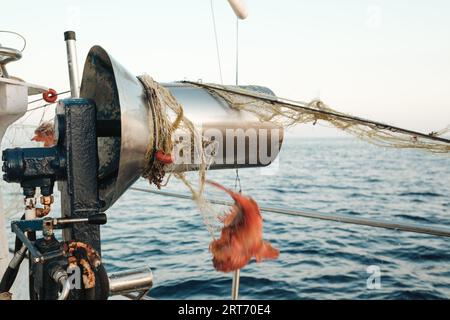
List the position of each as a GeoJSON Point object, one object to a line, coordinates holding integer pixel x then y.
{"type": "Point", "coordinates": [70, 220]}
{"type": "Point", "coordinates": [131, 281]}
{"type": "Point", "coordinates": [35, 254]}
{"type": "Point", "coordinates": [72, 61]}
{"type": "Point", "coordinates": [18, 257]}
{"type": "Point", "coordinates": [235, 285]}
{"type": "Point", "coordinates": [392, 225]}
{"type": "Point", "coordinates": [300, 105]}
{"type": "Point", "coordinates": [52, 255]}
{"type": "Point", "coordinates": [236, 273]}
{"type": "Point", "coordinates": [4, 72]}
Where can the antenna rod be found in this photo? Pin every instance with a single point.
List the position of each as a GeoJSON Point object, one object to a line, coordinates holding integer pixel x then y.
{"type": "Point", "coordinates": [72, 61]}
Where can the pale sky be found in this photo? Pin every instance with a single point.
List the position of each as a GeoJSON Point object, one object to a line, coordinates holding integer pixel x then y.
{"type": "Point", "coordinates": [387, 60]}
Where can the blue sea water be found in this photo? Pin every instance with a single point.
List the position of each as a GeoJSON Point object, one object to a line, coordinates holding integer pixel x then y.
{"type": "Point", "coordinates": [318, 259]}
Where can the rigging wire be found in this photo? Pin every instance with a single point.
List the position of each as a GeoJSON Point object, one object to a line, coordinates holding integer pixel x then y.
{"type": "Point", "coordinates": [40, 99]}
{"type": "Point", "coordinates": [217, 40]}
{"type": "Point", "coordinates": [237, 181]}
{"type": "Point", "coordinates": [237, 273]}
{"type": "Point", "coordinates": [29, 112]}
{"type": "Point", "coordinates": [385, 224]}
{"type": "Point", "coordinates": [237, 51]}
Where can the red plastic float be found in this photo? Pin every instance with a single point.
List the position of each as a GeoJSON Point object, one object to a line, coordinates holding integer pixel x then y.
{"type": "Point", "coordinates": [50, 96]}
{"type": "Point", "coordinates": [163, 157]}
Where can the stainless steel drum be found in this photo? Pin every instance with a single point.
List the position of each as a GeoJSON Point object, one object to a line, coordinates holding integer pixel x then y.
{"type": "Point", "coordinates": [125, 127]}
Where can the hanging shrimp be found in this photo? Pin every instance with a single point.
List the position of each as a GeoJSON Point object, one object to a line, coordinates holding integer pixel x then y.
{"type": "Point", "coordinates": [45, 133]}
{"type": "Point", "coordinates": [241, 237]}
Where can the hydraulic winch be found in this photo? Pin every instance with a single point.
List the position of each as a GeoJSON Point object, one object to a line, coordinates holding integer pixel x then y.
{"type": "Point", "coordinates": [70, 268]}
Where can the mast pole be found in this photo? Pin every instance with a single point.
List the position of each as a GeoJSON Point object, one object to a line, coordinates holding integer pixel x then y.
{"type": "Point", "coordinates": [72, 61]}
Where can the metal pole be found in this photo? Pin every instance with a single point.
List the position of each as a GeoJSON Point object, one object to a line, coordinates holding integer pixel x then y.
{"type": "Point", "coordinates": [237, 273]}
{"type": "Point", "coordinates": [342, 218]}
{"type": "Point", "coordinates": [235, 285]}
{"type": "Point", "coordinates": [72, 61]}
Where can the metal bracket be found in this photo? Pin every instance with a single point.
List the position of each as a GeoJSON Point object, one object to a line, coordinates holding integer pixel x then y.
{"type": "Point", "coordinates": [48, 225]}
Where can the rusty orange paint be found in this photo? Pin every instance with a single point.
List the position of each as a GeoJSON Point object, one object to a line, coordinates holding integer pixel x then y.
{"type": "Point", "coordinates": [92, 254]}
{"type": "Point", "coordinates": [88, 275]}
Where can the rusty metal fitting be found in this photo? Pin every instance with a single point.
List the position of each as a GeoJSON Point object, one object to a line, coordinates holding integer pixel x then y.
{"type": "Point", "coordinates": [29, 202]}
{"type": "Point", "coordinates": [72, 261]}
{"type": "Point", "coordinates": [42, 212]}
{"type": "Point", "coordinates": [47, 228]}
{"type": "Point", "coordinates": [5, 296]}
{"type": "Point", "coordinates": [69, 247]}
{"type": "Point", "coordinates": [47, 200]}
{"type": "Point", "coordinates": [88, 274]}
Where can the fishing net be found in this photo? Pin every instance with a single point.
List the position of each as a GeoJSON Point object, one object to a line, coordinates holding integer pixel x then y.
{"type": "Point", "coordinates": [288, 113]}
{"type": "Point", "coordinates": [168, 117]}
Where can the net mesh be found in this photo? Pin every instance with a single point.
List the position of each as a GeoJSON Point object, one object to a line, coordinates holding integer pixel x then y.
{"type": "Point", "coordinates": [168, 116]}
{"type": "Point", "coordinates": [164, 107]}
{"type": "Point", "coordinates": [289, 113]}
